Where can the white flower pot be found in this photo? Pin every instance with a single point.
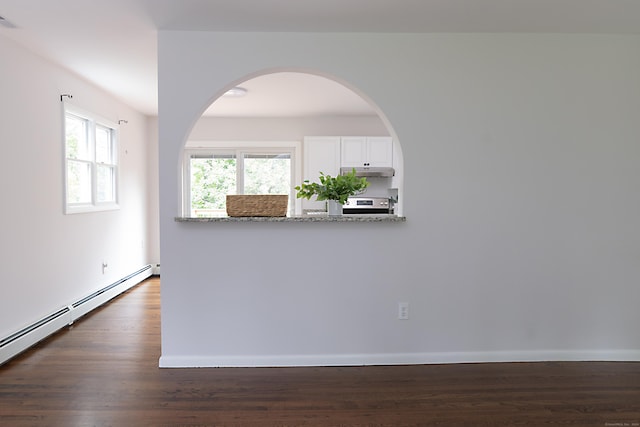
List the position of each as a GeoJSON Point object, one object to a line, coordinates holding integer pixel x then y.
{"type": "Point", "coordinates": [334, 208]}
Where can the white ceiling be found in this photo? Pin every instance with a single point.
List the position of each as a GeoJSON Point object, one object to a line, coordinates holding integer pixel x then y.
{"type": "Point", "coordinates": [112, 43]}
{"type": "Point", "coordinates": [291, 95]}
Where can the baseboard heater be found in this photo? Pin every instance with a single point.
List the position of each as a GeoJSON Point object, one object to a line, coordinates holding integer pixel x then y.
{"type": "Point", "coordinates": [21, 340]}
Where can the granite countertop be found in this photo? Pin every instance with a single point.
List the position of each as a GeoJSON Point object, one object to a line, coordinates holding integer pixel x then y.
{"type": "Point", "coordinates": [315, 217]}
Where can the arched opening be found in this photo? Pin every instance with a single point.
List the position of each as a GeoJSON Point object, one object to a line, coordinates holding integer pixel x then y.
{"type": "Point", "coordinates": [270, 131]}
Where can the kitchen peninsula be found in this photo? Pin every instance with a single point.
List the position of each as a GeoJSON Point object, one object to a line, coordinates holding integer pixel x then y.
{"type": "Point", "coordinates": [300, 218]}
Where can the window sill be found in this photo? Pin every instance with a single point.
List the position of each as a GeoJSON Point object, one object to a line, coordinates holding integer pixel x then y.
{"type": "Point", "coordinates": [301, 218]}
{"type": "Point", "coordinates": [80, 209]}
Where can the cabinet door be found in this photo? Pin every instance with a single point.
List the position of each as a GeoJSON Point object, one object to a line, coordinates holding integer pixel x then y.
{"type": "Point", "coordinates": [380, 151]}
{"type": "Point", "coordinates": [354, 151]}
{"type": "Point", "coordinates": [321, 154]}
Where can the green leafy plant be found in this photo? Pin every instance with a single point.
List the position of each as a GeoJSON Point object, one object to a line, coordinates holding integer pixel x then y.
{"type": "Point", "coordinates": [337, 188]}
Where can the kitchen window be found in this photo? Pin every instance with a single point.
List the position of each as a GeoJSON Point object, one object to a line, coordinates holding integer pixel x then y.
{"type": "Point", "coordinates": [211, 174]}
{"type": "Point", "coordinates": [91, 162]}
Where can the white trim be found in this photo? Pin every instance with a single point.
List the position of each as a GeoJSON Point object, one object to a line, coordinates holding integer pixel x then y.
{"type": "Point", "coordinates": [167, 361]}
{"type": "Point", "coordinates": [85, 208]}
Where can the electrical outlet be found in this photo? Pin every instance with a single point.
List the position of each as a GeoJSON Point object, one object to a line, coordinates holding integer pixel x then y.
{"type": "Point", "coordinates": [403, 310]}
{"type": "Point", "coordinates": [104, 267]}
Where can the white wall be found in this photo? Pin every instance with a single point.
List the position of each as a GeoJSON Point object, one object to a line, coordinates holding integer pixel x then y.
{"type": "Point", "coordinates": [284, 129]}
{"type": "Point", "coordinates": [49, 259]}
{"type": "Point", "coordinates": [522, 240]}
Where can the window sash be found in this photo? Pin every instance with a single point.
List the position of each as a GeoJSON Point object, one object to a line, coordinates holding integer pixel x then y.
{"type": "Point", "coordinates": [106, 184]}
{"type": "Point", "coordinates": [77, 144]}
{"type": "Point", "coordinates": [105, 145]}
{"type": "Point", "coordinates": [78, 182]}
{"type": "Point", "coordinates": [278, 163]}
{"type": "Point", "coordinates": [209, 169]}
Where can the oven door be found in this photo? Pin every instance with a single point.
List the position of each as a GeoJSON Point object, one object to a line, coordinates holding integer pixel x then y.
{"type": "Point", "coordinates": [369, 211]}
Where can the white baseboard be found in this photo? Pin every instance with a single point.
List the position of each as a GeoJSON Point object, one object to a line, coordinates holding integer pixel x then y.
{"type": "Point", "coordinates": [14, 346]}
{"type": "Point", "coordinates": [124, 284]}
{"type": "Point", "coordinates": [397, 359]}
{"type": "Point", "coordinates": [19, 341]}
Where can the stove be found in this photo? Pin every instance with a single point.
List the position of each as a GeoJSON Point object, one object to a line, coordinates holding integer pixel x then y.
{"type": "Point", "coordinates": [367, 205]}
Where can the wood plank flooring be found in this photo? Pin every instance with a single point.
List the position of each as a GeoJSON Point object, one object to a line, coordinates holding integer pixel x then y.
{"type": "Point", "coordinates": [103, 371]}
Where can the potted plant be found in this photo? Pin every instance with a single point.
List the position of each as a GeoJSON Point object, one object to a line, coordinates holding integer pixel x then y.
{"type": "Point", "coordinates": [335, 190]}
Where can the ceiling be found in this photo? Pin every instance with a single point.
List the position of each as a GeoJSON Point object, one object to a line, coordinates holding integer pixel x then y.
{"type": "Point", "coordinates": [112, 43]}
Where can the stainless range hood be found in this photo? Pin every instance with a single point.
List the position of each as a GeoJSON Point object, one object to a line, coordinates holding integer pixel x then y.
{"type": "Point", "coordinates": [370, 171]}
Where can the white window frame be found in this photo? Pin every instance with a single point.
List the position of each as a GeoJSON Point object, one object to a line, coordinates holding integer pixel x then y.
{"type": "Point", "coordinates": [92, 121]}
{"type": "Point", "coordinates": [239, 149]}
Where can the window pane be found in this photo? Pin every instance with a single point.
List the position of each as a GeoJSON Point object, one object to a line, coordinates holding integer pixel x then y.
{"type": "Point", "coordinates": [78, 182]}
{"type": "Point", "coordinates": [105, 152]}
{"type": "Point", "coordinates": [212, 178]}
{"type": "Point", "coordinates": [76, 140]}
{"type": "Point", "coordinates": [267, 173]}
{"type": "Point", "coordinates": [106, 185]}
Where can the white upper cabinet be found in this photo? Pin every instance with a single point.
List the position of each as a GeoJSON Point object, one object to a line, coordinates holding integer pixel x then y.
{"type": "Point", "coordinates": [354, 151]}
{"type": "Point", "coordinates": [360, 151]}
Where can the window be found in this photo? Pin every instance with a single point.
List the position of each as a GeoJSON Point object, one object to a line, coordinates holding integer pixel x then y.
{"type": "Point", "coordinates": [211, 174]}
{"type": "Point", "coordinates": [212, 177]}
{"type": "Point", "coordinates": [91, 162]}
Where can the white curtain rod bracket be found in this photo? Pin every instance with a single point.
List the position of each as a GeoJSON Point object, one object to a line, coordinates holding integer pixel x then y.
{"type": "Point", "coordinates": [65, 95]}
{"type": "Point", "coordinates": [122, 121]}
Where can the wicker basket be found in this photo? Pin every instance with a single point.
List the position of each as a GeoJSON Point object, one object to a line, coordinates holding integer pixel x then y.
{"type": "Point", "coordinates": [257, 204]}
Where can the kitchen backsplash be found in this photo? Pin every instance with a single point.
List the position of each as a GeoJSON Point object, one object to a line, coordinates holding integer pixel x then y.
{"type": "Point", "coordinates": [379, 187]}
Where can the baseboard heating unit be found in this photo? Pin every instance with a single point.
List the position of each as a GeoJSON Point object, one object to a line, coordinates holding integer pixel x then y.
{"type": "Point", "coordinates": [21, 340]}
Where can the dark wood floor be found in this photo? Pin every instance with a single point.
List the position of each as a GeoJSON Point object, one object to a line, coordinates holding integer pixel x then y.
{"type": "Point", "coordinates": [103, 371]}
